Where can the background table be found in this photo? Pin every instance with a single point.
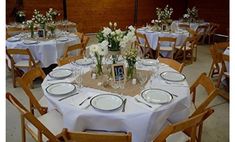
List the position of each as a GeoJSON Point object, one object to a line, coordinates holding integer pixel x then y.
{"type": "Point", "coordinates": [144, 123]}
{"type": "Point", "coordinates": [152, 36]}
{"type": "Point", "coordinates": [194, 25]}
{"type": "Point", "coordinates": [46, 51]}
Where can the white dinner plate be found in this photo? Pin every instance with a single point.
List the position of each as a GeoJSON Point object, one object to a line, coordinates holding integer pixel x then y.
{"type": "Point", "coordinates": [61, 88]}
{"type": "Point", "coordinates": [148, 62]}
{"type": "Point", "coordinates": [172, 76]}
{"type": "Point", "coordinates": [13, 39]}
{"type": "Point", "coordinates": [60, 73]}
{"type": "Point", "coordinates": [62, 39]}
{"type": "Point", "coordinates": [156, 96]}
{"type": "Point", "coordinates": [106, 102]}
{"type": "Point", "coordinates": [84, 61]}
{"type": "Point", "coordinates": [30, 41]}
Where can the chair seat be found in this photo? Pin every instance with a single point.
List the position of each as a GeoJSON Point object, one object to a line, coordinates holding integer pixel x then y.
{"type": "Point", "coordinates": [177, 137]}
{"type": "Point", "coordinates": [52, 120]}
{"type": "Point", "coordinates": [43, 101]}
{"type": "Point", "coordinates": [24, 63]}
{"type": "Point", "coordinates": [187, 47]}
{"type": "Point", "coordinates": [166, 48]}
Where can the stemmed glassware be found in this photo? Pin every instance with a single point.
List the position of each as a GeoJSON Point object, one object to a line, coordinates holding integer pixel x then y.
{"type": "Point", "coordinates": [142, 78]}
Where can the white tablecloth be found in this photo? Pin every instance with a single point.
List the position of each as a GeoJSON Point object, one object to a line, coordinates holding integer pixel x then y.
{"type": "Point", "coordinates": [174, 25]}
{"type": "Point", "coordinates": [47, 52]}
{"type": "Point", "coordinates": [144, 123]}
{"type": "Point", "coordinates": [152, 37]}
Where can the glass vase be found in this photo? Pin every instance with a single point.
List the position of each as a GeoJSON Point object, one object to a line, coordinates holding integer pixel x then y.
{"type": "Point", "coordinates": [98, 64]}
{"type": "Point", "coordinates": [131, 69]}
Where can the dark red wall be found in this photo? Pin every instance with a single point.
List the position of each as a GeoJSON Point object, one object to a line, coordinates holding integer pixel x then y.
{"type": "Point", "coordinates": [91, 15]}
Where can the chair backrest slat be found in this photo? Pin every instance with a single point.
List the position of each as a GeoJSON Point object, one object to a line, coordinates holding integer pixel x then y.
{"type": "Point", "coordinates": [172, 63]}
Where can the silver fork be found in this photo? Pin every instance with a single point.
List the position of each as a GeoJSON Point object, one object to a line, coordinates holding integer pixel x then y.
{"type": "Point", "coordinates": [143, 103]}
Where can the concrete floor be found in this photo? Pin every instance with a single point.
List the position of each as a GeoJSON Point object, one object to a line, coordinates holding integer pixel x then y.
{"type": "Point", "coordinates": [216, 128]}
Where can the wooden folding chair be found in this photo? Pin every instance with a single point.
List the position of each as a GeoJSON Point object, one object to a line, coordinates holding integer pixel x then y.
{"type": "Point", "coordinates": [74, 48]}
{"type": "Point", "coordinates": [143, 44]}
{"type": "Point", "coordinates": [208, 85]}
{"type": "Point", "coordinates": [28, 62]}
{"type": "Point", "coordinates": [224, 70]}
{"type": "Point", "coordinates": [25, 82]}
{"type": "Point", "coordinates": [216, 52]}
{"type": "Point", "coordinates": [48, 127]}
{"type": "Point", "coordinates": [202, 31]}
{"type": "Point", "coordinates": [188, 49]}
{"type": "Point", "coordinates": [96, 136]}
{"type": "Point", "coordinates": [211, 31]}
{"type": "Point", "coordinates": [170, 41]}
{"type": "Point", "coordinates": [65, 60]}
{"type": "Point", "coordinates": [172, 63]}
{"type": "Point", "coordinates": [41, 128]}
{"type": "Point", "coordinates": [191, 123]}
{"type": "Point", "coordinates": [85, 41]}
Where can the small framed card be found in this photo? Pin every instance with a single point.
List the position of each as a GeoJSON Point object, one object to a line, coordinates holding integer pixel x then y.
{"type": "Point", "coordinates": [41, 33]}
{"type": "Point", "coordinates": [119, 72]}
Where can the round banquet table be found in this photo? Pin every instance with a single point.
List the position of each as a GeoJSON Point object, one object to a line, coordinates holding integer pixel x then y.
{"type": "Point", "coordinates": [194, 25]}
{"type": "Point", "coordinates": [47, 51]}
{"type": "Point", "coordinates": [152, 36]}
{"type": "Point", "coordinates": [145, 123]}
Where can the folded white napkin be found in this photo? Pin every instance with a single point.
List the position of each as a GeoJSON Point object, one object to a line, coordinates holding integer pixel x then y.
{"type": "Point", "coordinates": [154, 106]}
{"type": "Point", "coordinates": [77, 99]}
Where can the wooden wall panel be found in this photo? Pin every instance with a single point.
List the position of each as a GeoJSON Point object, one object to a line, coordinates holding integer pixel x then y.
{"type": "Point", "coordinates": [30, 5]}
{"type": "Point", "coordinates": [147, 9]}
{"type": "Point", "coordinates": [214, 11]}
{"type": "Point", "coordinates": [92, 15]}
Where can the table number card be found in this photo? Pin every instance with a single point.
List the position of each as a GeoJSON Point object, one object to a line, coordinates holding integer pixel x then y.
{"type": "Point", "coordinates": [119, 72]}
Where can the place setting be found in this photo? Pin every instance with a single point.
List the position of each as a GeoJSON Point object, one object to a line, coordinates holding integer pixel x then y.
{"type": "Point", "coordinates": [153, 98]}
{"type": "Point", "coordinates": [173, 78]}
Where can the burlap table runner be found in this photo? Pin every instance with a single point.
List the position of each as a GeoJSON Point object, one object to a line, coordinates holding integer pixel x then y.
{"type": "Point", "coordinates": [98, 83]}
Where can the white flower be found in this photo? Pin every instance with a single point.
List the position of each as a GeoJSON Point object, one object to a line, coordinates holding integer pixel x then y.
{"type": "Point", "coordinates": [115, 24]}
{"type": "Point", "coordinates": [112, 33]}
{"type": "Point", "coordinates": [118, 32]}
{"type": "Point", "coordinates": [152, 21]}
{"type": "Point", "coordinates": [110, 24]}
{"type": "Point", "coordinates": [92, 49]}
{"type": "Point", "coordinates": [106, 31]}
{"type": "Point", "coordinates": [131, 28]}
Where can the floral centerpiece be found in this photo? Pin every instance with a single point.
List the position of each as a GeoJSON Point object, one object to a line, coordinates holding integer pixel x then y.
{"type": "Point", "coordinates": [51, 26]}
{"type": "Point", "coordinates": [20, 16]}
{"type": "Point", "coordinates": [164, 15]}
{"type": "Point", "coordinates": [191, 15]}
{"type": "Point", "coordinates": [130, 54]}
{"type": "Point", "coordinates": [52, 13]}
{"type": "Point", "coordinates": [129, 37]}
{"type": "Point", "coordinates": [31, 26]}
{"type": "Point", "coordinates": [112, 35]}
{"type": "Point", "coordinates": [99, 51]}
{"type": "Point", "coordinates": [39, 18]}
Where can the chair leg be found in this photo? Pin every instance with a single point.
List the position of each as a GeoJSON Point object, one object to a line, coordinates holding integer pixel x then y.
{"type": "Point", "coordinates": [200, 133]}
{"type": "Point", "coordinates": [13, 78]}
{"type": "Point", "coordinates": [219, 80]}
{"type": "Point", "coordinates": [23, 129]}
{"type": "Point", "coordinates": [211, 70]}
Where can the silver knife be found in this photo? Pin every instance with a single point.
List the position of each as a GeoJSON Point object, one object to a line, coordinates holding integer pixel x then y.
{"type": "Point", "coordinates": [124, 106]}
{"type": "Point", "coordinates": [68, 96]}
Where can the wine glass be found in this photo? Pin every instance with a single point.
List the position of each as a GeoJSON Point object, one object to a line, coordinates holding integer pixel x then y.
{"type": "Point", "coordinates": [142, 78]}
